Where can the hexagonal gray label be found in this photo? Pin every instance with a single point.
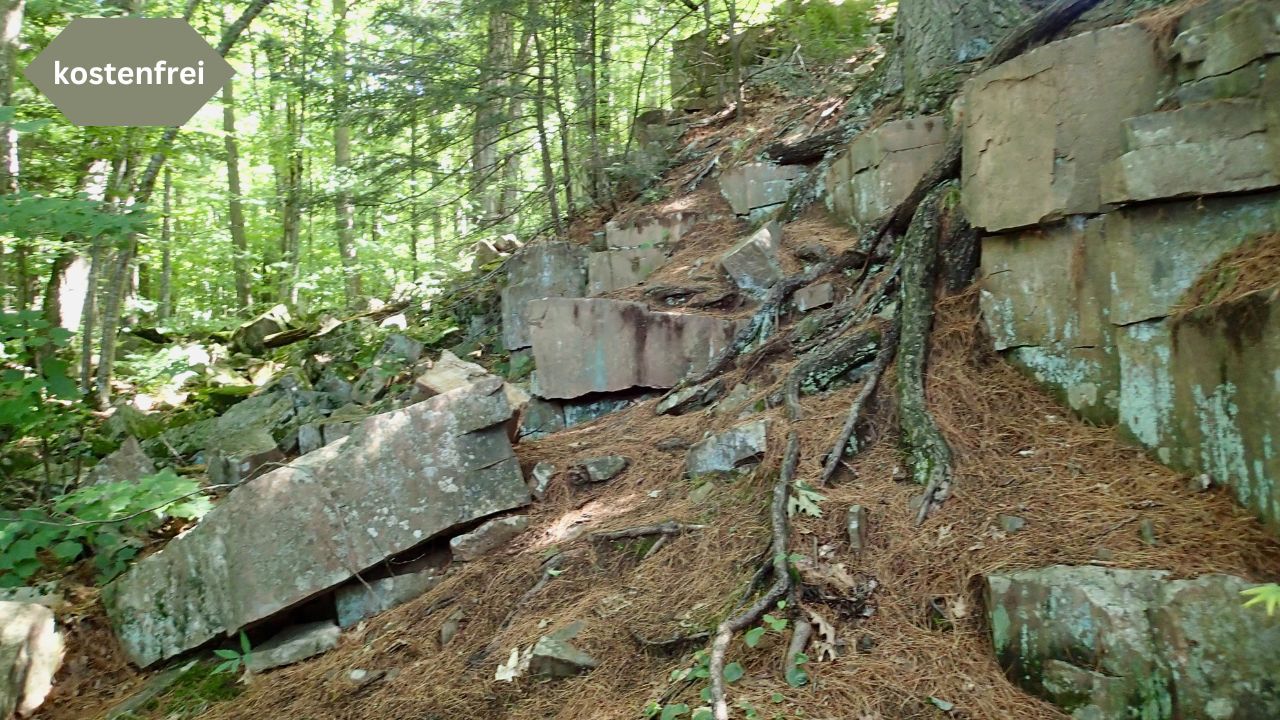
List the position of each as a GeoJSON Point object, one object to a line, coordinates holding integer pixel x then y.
{"type": "Point", "coordinates": [129, 71]}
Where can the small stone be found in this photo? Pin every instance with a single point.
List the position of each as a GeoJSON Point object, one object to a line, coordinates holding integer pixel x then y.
{"type": "Point", "coordinates": [699, 495]}
{"type": "Point", "coordinates": [310, 438]}
{"type": "Point", "coordinates": [753, 263]}
{"type": "Point", "coordinates": [1199, 483]}
{"type": "Point", "coordinates": [554, 657]}
{"type": "Point", "coordinates": [1010, 523]}
{"type": "Point", "coordinates": [672, 444]}
{"type": "Point", "coordinates": [1104, 554]}
{"type": "Point", "coordinates": [856, 527]}
{"type": "Point", "coordinates": [1147, 531]}
{"type": "Point", "coordinates": [127, 464]}
{"type": "Point", "coordinates": [727, 451]}
{"type": "Point", "coordinates": [488, 537]}
{"type": "Point", "coordinates": [598, 470]}
{"type": "Point", "coordinates": [451, 625]}
{"type": "Point", "coordinates": [294, 645]}
{"type": "Point", "coordinates": [814, 296]}
{"type": "Point", "coordinates": [540, 479]}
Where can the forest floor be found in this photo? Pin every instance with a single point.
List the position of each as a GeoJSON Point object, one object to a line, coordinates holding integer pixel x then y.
{"type": "Point", "coordinates": [918, 644]}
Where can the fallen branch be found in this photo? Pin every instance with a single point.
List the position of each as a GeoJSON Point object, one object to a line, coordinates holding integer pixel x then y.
{"type": "Point", "coordinates": [670, 527]}
{"type": "Point", "coordinates": [781, 579]}
{"type": "Point", "coordinates": [835, 457]}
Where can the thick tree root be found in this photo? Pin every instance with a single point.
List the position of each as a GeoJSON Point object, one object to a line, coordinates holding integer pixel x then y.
{"type": "Point", "coordinates": [928, 454]}
{"type": "Point", "coordinates": [670, 527]}
{"type": "Point", "coordinates": [822, 367]}
{"type": "Point", "coordinates": [887, 351]}
{"type": "Point", "coordinates": [781, 579]}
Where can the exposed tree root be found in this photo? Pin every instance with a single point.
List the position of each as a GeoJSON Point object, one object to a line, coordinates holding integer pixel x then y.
{"type": "Point", "coordinates": [888, 349]}
{"type": "Point", "coordinates": [826, 363]}
{"type": "Point", "coordinates": [781, 579]}
{"type": "Point", "coordinates": [928, 454]}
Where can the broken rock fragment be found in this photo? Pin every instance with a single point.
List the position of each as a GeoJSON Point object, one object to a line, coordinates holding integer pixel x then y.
{"type": "Point", "coordinates": [293, 646]}
{"type": "Point", "coordinates": [753, 263]}
{"type": "Point", "coordinates": [598, 470]}
{"type": "Point", "coordinates": [729, 450]}
{"type": "Point", "coordinates": [553, 655]}
{"type": "Point", "coordinates": [488, 537]}
{"type": "Point", "coordinates": [360, 600]}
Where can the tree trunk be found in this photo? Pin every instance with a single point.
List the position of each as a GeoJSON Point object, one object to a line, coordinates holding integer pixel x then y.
{"type": "Point", "coordinates": [488, 118]}
{"type": "Point", "coordinates": [937, 34]}
{"type": "Point", "coordinates": [344, 211]}
{"type": "Point", "coordinates": [235, 208]}
{"type": "Point", "coordinates": [165, 306]}
{"type": "Point", "coordinates": [539, 104]}
{"type": "Point", "coordinates": [11, 12]}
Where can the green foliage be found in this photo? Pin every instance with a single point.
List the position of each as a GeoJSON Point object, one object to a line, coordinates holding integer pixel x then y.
{"type": "Point", "coordinates": [105, 521]}
{"type": "Point", "coordinates": [1268, 596]}
{"type": "Point", "coordinates": [824, 31]}
{"type": "Point", "coordinates": [30, 216]}
{"type": "Point", "coordinates": [44, 403]}
{"type": "Point", "coordinates": [233, 660]}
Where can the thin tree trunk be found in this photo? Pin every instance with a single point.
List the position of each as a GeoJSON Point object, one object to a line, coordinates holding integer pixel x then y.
{"type": "Point", "coordinates": [562, 119]}
{"type": "Point", "coordinates": [344, 212]}
{"type": "Point", "coordinates": [235, 207]}
{"type": "Point", "coordinates": [539, 101]}
{"type": "Point", "coordinates": [165, 308]}
{"type": "Point", "coordinates": [11, 13]}
{"type": "Point", "coordinates": [488, 119]}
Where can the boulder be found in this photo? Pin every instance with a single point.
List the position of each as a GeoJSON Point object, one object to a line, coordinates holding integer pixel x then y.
{"type": "Point", "coordinates": [398, 350]}
{"type": "Point", "coordinates": [449, 373]}
{"type": "Point", "coordinates": [1109, 644]}
{"type": "Point", "coordinates": [598, 470]}
{"type": "Point", "coordinates": [542, 270]}
{"type": "Point", "coordinates": [249, 337]}
{"type": "Point", "coordinates": [490, 536]}
{"type": "Point", "coordinates": [617, 269]}
{"type": "Point", "coordinates": [753, 263]}
{"type": "Point", "coordinates": [811, 297]}
{"type": "Point", "coordinates": [577, 413]}
{"type": "Point", "coordinates": [881, 166]}
{"type": "Point", "coordinates": [1018, 171]}
{"type": "Point", "coordinates": [126, 464]}
{"type": "Point", "coordinates": [655, 232]}
{"type": "Point", "coordinates": [294, 645]}
{"type": "Point", "coordinates": [756, 189]}
{"type": "Point", "coordinates": [585, 346]}
{"type": "Point", "coordinates": [299, 530]}
{"type": "Point", "coordinates": [31, 650]}
{"type": "Point", "coordinates": [729, 450]}
{"type": "Point", "coordinates": [541, 418]}
{"type": "Point", "coordinates": [357, 601]}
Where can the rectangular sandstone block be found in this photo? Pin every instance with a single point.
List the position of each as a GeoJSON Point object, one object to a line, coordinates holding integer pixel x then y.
{"type": "Point", "coordinates": [662, 230]}
{"type": "Point", "coordinates": [596, 345]}
{"type": "Point", "coordinates": [1039, 129]}
{"type": "Point", "coordinates": [880, 167]}
{"type": "Point", "coordinates": [551, 269]}
{"type": "Point", "coordinates": [616, 269]}
{"type": "Point", "coordinates": [755, 185]}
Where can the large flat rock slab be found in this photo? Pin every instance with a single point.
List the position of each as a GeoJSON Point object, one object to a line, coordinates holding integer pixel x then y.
{"type": "Point", "coordinates": [755, 189]}
{"type": "Point", "coordinates": [399, 479]}
{"type": "Point", "coordinates": [1044, 160]}
{"type": "Point", "coordinates": [585, 346]}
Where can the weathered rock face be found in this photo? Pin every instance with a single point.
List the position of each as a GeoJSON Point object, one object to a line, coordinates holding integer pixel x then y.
{"type": "Point", "coordinates": [31, 651]}
{"type": "Point", "coordinates": [753, 263]}
{"type": "Point", "coordinates": [553, 269]}
{"type": "Point", "coordinates": [729, 450]}
{"type": "Point", "coordinates": [1111, 644]}
{"type": "Point", "coordinates": [399, 479]}
{"type": "Point", "coordinates": [756, 189]}
{"type": "Point", "coordinates": [1018, 171]}
{"type": "Point", "coordinates": [663, 230]}
{"type": "Point", "coordinates": [880, 167]}
{"type": "Point", "coordinates": [127, 464]}
{"type": "Point", "coordinates": [1088, 309]}
{"type": "Point", "coordinates": [595, 345]}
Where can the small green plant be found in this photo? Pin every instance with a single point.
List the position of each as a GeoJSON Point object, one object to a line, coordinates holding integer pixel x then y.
{"type": "Point", "coordinates": [1268, 596]}
{"type": "Point", "coordinates": [233, 660]}
{"type": "Point", "coordinates": [106, 521]}
{"type": "Point", "coordinates": [805, 500]}
{"type": "Point", "coordinates": [771, 623]}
